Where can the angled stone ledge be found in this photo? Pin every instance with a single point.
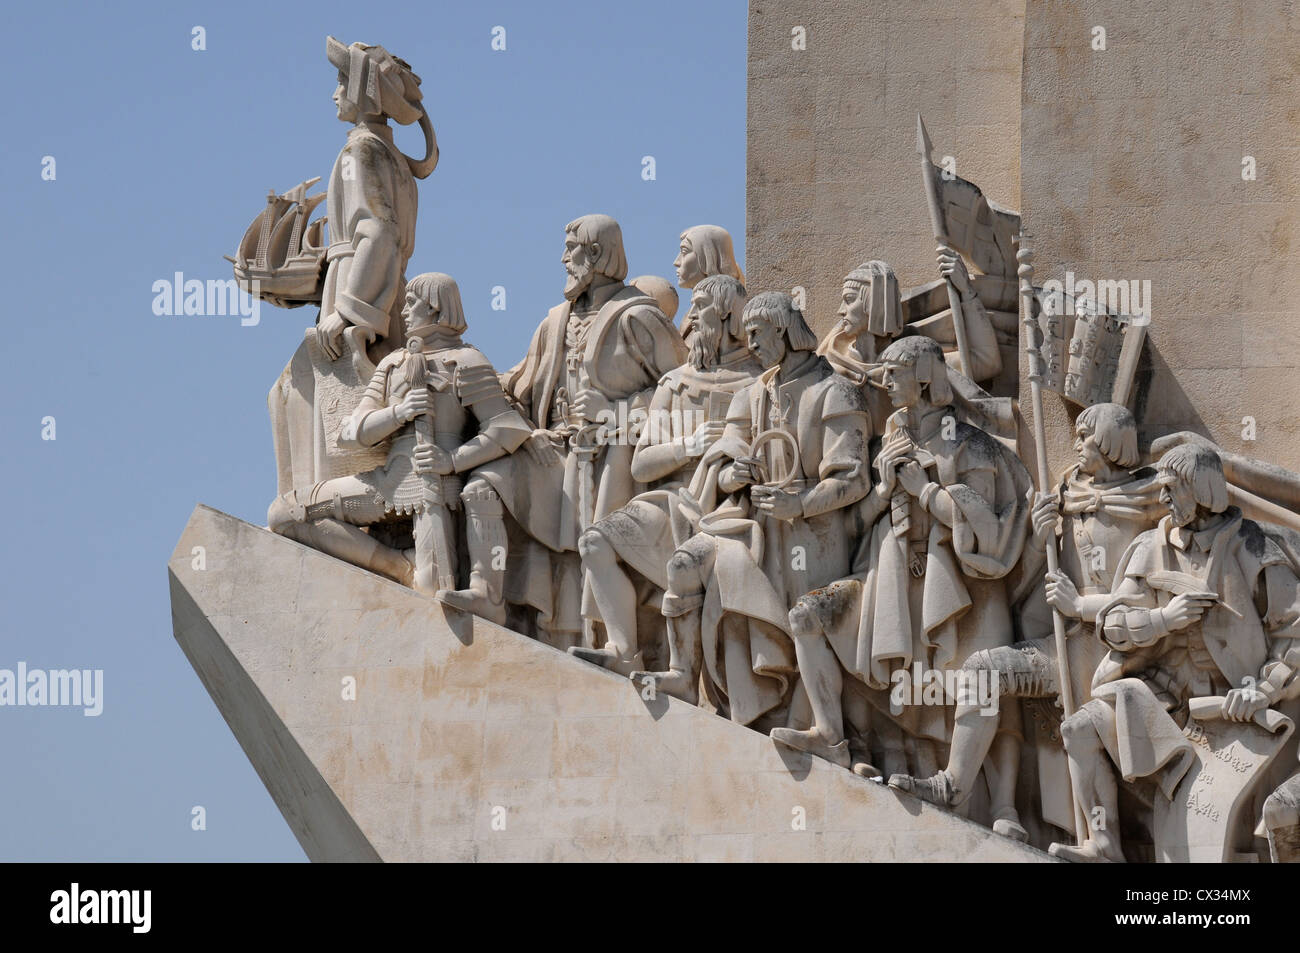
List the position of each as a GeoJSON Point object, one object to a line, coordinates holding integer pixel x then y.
{"type": "Point", "coordinates": [467, 741]}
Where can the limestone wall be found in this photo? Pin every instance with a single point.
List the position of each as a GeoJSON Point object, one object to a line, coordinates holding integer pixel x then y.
{"type": "Point", "coordinates": [833, 174]}
{"type": "Point", "coordinates": [1131, 167]}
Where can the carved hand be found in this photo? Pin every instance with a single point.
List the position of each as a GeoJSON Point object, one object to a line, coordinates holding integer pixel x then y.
{"type": "Point", "coordinates": [416, 402]}
{"type": "Point", "coordinates": [778, 503]}
{"type": "Point", "coordinates": [705, 436]}
{"type": "Point", "coordinates": [1062, 595]}
{"type": "Point", "coordinates": [1186, 608]}
{"type": "Point", "coordinates": [953, 268]}
{"type": "Point", "coordinates": [541, 448]}
{"type": "Point", "coordinates": [1045, 518]}
{"type": "Point", "coordinates": [329, 335]}
{"type": "Point", "coordinates": [431, 458]}
{"type": "Point", "coordinates": [1241, 704]}
{"type": "Point", "coordinates": [590, 404]}
{"type": "Point", "coordinates": [913, 477]}
{"type": "Point", "coordinates": [740, 473]}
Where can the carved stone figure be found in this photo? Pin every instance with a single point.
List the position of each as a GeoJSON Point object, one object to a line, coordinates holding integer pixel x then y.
{"type": "Point", "coordinates": [871, 318]}
{"type": "Point", "coordinates": [438, 409]}
{"type": "Point", "coordinates": [626, 554]}
{"type": "Point", "coordinates": [1097, 509]}
{"type": "Point", "coordinates": [1205, 608]}
{"type": "Point", "coordinates": [704, 250]}
{"type": "Point", "coordinates": [661, 290]}
{"type": "Point", "coordinates": [371, 210]}
{"type": "Point", "coordinates": [1281, 822]}
{"type": "Point", "coordinates": [938, 536]}
{"type": "Point", "coordinates": [792, 456]}
{"type": "Point", "coordinates": [594, 361]}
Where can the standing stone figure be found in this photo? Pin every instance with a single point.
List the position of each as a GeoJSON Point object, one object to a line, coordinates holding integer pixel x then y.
{"type": "Point", "coordinates": [371, 207]}
{"type": "Point", "coordinates": [596, 358]}
{"type": "Point", "coordinates": [626, 554]}
{"type": "Point", "coordinates": [870, 319]}
{"type": "Point", "coordinates": [792, 457]}
{"type": "Point", "coordinates": [438, 383]}
{"type": "Point", "coordinates": [1097, 510]}
{"type": "Point", "coordinates": [1204, 605]}
{"type": "Point", "coordinates": [929, 579]}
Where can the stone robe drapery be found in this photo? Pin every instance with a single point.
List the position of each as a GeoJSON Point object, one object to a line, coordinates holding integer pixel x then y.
{"type": "Point", "coordinates": [645, 532]}
{"type": "Point", "coordinates": [763, 565]}
{"type": "Point", "coordinates": [629, 347]}
{"type": "Point", "coordinates": [371, 204]}
{"type": "Point", "coordinates": [1141, 687]}
{"type": "Point", "coordinates": [1099, 521]}
{"type": "Point", "coordinates": [882, 618]}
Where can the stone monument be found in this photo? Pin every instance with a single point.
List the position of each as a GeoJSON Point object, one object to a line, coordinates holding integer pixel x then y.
{"type": "Point", "coordinates": [946, 555]}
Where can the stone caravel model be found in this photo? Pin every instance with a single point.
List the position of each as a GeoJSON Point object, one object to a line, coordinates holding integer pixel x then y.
{"type": "Point", "coordinates": [836, 545]}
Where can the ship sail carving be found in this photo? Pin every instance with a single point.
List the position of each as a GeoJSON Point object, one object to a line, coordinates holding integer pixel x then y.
{"type": "Point", "coordinates": [281, 258]}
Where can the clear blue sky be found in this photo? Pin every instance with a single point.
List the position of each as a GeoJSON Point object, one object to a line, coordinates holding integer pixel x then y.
{"type": "Point", "coordinates": [163, 155]}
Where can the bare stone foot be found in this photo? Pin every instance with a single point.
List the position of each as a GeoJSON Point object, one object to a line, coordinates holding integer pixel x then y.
{"type": "Point", "coordinates": [475, 603]}
{"type": "Point", "coordinates": [936, 789]}
{"type": "Point", "coordinates": [677, 684]}
{"type": "Point", "coordinates": [812, 742]}
{"type": "Point", "coordinates": [1087, 853]}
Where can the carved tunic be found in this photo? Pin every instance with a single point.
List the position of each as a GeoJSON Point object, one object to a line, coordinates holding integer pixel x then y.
{"type": "Point", "coordinates": [645, 532]}
{"type": "Point", "coordinates": [1251, 634]}
{"type": "Point", "coordinates": [760, 565]}
{"type": "Point", "coordinates": [372, 207]}
{"type": "Point", "coordinates": [625, 349]}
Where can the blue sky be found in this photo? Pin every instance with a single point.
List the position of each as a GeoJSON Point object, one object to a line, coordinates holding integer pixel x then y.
{"type": "Point", "coordinates": [162, 156]}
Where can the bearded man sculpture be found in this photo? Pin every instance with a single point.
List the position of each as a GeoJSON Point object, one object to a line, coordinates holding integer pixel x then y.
{"type": "Point", "coordinates": [595, 358]}
{"type": "Point", "coordinates": [627, 552]}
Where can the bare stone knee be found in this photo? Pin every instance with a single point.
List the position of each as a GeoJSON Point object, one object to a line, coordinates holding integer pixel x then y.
{"type": "Point", "coordinates": [592, 544]}
{"type": "Point", "coordinates": [1078, 733]}
{"type": "Point", "coordinates": [684, 573]}
{"type": "Point", "coordinates": [804, 622]}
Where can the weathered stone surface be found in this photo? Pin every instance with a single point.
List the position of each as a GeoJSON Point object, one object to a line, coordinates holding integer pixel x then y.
{"type": "Point", "coordinates": [1132, 163]}
{"type": "Point", "coordinates": [832, 169]}
{"type": "Point", "coordinates": [458, 723]}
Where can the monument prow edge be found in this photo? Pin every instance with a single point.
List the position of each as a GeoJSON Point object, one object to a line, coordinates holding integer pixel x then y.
{"type": "Point", "coordinates": [388, 728]}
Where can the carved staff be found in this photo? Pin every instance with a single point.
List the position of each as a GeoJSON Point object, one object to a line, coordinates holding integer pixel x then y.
{"type": "Point", "coordinates": [434, 539]}
{"type": "Point", "coordinates": [930, 177]}
{"type": "Point", "coordinates": [1030, 330]}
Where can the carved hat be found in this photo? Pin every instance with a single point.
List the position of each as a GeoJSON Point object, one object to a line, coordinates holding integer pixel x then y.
{"type": "Point", "coordinates": [885, 309]}
{"type": "Point", "coordinates": [925, 357]}
{"type": "Point", "coordinates": [377, 81]}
